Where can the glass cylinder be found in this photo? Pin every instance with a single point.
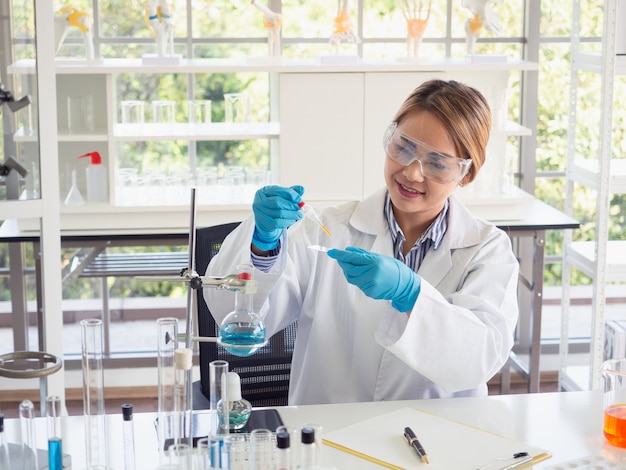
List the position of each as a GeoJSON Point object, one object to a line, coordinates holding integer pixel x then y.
{"type": "Point", "coordinates": [93, 393]}
{"type": "Point", "coordinates": [166, 345]}
{"type": "Point", "coordinates": [4, 448]}
{"type": "Point", "coordinates": [29, 439]}
{"type": "Point", "coordinates": [55, 448]}
{"type": "Point", "coordinates": [218, 379]}
{"type": "Point", "coordinates": [183, 359]}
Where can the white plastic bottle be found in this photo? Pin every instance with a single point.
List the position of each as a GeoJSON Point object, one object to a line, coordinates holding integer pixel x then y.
{"type": "Point", "coordinates": [96, 178]}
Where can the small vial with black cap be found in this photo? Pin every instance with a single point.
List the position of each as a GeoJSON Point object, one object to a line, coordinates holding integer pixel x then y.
{"type": "Point", "coordinates": [308, 449]}
{"type": "Point", "coordinates": [283, 451]}
{"type": "Point", "coordinates": [128, 434]}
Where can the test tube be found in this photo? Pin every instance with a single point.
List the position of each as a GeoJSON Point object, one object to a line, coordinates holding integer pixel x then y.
{"type": "Point", "coordinates": [29, 440]}
{"type": "Point", "coordinates": [262, 449]}
{"type": "Point", "coordinates": [128, 434]}
{"type": "Point", "coordinates": [4, 449]}
{"type": "Point", "coordinates": [218, 379]}
{"type": "Point", "coordinates": [180, 456]}
{"type": "Point", "coordinates": [55, 448]}
{"type": "Point", "coordinates": [166, 345]}
{"type": "Point", "coordinates": [93, 393]}
{"type": "Point", "coordinates": [183, 359]}
{"type": "Point", "coordinates": [237, 451]}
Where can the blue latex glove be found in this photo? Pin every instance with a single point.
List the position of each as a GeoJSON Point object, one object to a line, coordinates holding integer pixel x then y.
{"type": "Point", "coordinates": [275, 209]}
{"type": "Point", "coordinates": [379, 277]}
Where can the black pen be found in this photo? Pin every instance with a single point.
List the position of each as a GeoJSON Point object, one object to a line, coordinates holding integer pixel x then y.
{"type": "Point", "coordinates": [411, 438]}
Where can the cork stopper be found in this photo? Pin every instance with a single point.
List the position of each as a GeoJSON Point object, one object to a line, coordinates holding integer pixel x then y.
{"type": "Point", "coordinates": [183, 358]}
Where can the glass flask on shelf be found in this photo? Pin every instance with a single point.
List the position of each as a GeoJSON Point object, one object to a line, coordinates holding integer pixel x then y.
{"type": "Point", "coordinates": [242, 332]}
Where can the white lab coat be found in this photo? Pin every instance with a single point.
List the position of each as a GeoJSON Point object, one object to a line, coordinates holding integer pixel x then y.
{"type": "Point", "coordinates": [352, 348]}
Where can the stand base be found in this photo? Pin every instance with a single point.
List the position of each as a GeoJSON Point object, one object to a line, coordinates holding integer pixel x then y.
{"type": "Point", "coordinates": [154, 59]}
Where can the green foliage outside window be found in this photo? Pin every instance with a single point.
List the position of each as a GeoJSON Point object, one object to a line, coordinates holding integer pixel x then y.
{"type": "Point", "coordinates": [233, 28]}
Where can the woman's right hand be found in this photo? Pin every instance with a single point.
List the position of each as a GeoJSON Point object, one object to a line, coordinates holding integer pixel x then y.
{"type": "Point", "coordinates": [275, 208]}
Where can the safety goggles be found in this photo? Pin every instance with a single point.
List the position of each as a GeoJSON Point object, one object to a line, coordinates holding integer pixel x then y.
{"type": "Point", "coordinates": [434, 165]}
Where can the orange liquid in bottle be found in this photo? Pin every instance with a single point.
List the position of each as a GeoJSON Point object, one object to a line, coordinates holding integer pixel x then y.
{"type": "Point", "coordinates": [615, 424]}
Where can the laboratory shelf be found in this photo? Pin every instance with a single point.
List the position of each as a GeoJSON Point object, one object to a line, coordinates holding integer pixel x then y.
{"type": "Point", "coordinates": [594, 62]}
{"type": "Point", "coordinates": [512, 128]}
{"type": "Point", "coordinates": [582, 256]}
{"type": "Point", "coordinates": [113, 66]}
{"type": "Point", "coordinates": [603, 260]}
{"type": "Point", "coordinates": [587, 172]}
{"type": "Point", "coordinates": [186, 131]}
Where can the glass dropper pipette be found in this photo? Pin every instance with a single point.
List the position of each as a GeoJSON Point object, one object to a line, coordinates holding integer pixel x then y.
{"type": "Point", "coordinates": [307, 208]}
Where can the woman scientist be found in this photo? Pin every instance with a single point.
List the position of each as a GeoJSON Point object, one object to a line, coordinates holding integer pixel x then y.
{"type": "Point", "coordinates": [417, 297]}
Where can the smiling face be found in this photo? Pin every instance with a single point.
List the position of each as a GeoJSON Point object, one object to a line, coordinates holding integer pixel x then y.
{"type": "Point", "coordinates": [417, 200]}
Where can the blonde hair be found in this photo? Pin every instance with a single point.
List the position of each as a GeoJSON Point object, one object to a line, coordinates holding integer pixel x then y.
{"type": "Point", "coordinates": [464, 113]}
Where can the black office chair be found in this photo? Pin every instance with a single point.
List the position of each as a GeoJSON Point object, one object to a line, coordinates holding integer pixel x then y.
{"type": "Point", "coordinates": [265, 374]}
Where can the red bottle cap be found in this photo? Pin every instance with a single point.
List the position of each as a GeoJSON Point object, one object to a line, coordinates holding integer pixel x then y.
{"type": "Point", "coordinates": [96, 158]}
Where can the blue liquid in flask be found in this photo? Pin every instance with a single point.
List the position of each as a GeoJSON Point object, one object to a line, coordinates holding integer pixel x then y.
{"type": "Point", "coordinates": [242, 334]}
{"type": "Point", "coordinates": [55, 454]}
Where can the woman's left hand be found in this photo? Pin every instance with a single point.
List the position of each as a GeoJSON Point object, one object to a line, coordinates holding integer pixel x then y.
{"type": "Point", "coordinates": [379, 277]}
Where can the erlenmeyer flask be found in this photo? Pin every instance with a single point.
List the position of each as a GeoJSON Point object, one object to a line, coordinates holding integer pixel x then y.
{"type": "Point", "coordinates": [242, 332]}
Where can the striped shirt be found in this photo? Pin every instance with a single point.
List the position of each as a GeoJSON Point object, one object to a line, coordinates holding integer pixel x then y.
{"type": "Point", "coordinates": [431, 238]}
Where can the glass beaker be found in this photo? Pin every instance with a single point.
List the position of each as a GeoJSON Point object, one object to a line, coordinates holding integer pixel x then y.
{"type": "Point", "coordinates": [237, 107]}
{"type": "Point", "coordinates": [80, 114]}
{"type": "Point", "coordinates": [242, 332]}
{"type": "Point", "coordinates": [132, 112]}
{"type": "Point", "coordinates": [199, 111]}
{"type": "Point", "coordinates": [164, 111]}
{"type": "Point", "coordinates": [93, 393]}
{"type": "Point", "coordinates": [614, 377]}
